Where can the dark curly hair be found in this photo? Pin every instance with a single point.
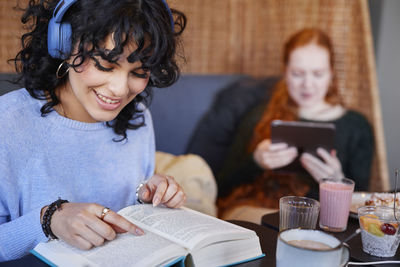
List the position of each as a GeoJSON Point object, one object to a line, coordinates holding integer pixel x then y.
{"type": "Point", "coordinates": [146, 22]}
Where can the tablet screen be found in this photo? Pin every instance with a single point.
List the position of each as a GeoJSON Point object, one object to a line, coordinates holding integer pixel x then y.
{"type": "Point", "coordinates": [306, 136]}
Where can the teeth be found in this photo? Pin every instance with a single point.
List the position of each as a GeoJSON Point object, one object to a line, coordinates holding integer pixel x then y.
{"type": "Point", "coordinates": [107, 100]}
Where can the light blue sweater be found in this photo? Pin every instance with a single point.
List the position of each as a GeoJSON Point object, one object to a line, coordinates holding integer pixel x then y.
{"type": "Point", "coordinates": [43, 158]}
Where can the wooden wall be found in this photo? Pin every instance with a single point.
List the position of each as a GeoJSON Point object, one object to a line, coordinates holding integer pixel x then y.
{"type": "Point", "coordinates": [10, 33]}
{"type": "Point", "coordinates": [246, 36]}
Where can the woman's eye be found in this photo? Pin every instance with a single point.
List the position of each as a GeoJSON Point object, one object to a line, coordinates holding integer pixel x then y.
{"type": "Point", "coordinates": [140, 73]}
{"type": "Point", "coordinates": [99, 66]}
{"type": "Point", "coordinates": [297, 74]}
{"type": "Point", "coordinates": [319, 74]}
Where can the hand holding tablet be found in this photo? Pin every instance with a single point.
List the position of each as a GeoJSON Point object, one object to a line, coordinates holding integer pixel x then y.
{"type": "Point", "coordinates": [307, 137]}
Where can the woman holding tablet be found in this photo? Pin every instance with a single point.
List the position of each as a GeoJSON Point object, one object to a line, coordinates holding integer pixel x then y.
{"type": "Point", "coordinates": [306, 92]}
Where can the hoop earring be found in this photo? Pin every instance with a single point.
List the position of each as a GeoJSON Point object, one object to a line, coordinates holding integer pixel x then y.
{"type": "Point", "coordinates": [58, 75]}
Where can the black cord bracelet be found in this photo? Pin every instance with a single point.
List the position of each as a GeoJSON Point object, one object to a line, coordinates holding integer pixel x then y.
{"type": "Point", "coordinates": [46, 221]}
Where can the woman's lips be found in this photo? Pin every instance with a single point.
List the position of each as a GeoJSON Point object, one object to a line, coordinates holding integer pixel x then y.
{"type": "Point", "coordinates": [107, 103]}
{"type": "Point", "coordinates": [306, 95]}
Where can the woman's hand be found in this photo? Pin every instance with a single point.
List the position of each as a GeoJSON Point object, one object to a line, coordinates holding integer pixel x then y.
{"type": "Point", "coordinates": [272, 156]}
{"type": "Point", "coordinates": [162, 189]}
{"type": "Point", "coordinates": [80, 225]}
{"type": "Point", "coordinates": [329, 167]}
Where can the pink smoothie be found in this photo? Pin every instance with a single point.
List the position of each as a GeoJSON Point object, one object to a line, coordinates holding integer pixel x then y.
{"type": "Point", "coordinates": [335, 200]}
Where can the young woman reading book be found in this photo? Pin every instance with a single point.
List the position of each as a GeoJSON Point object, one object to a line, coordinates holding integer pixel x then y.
{"type": "Point", "coordinates": [77, 142]}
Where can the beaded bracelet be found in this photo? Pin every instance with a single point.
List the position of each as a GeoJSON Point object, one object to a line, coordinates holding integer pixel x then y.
{"type": "Point", "coordinates": [46, 221]}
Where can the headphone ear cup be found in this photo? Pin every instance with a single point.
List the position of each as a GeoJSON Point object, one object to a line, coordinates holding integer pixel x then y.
{"type": "Point", "coordinates": [59, 39]}
{"type": "Point", "coordinates": [52, 38]}
{"type": "Point", "coordinates": [65, 39]}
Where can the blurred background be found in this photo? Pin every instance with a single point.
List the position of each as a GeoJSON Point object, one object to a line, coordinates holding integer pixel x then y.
{"type": "Point", "coordinates": [246, 36]}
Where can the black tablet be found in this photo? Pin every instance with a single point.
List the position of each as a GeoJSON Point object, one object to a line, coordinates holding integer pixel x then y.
{"type": "Point", "coordinates": [306, 136]}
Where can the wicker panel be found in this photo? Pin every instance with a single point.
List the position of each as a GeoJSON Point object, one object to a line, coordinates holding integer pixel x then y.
{"type": "Point", "coordinates": [242, 36]}
{"type": "Point", "coordinates": [246, 36]}
{"type": "Point", "coordinates": [10, 33]}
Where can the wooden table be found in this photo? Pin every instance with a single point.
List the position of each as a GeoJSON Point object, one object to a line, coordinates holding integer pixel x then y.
{"type": "Point", "coordinates": [267, 238]}
{"type": "Point", "coordinates": [356, 253]}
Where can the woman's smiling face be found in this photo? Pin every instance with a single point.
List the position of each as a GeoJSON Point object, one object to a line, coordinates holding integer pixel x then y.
{"type": "Point", "coordinates": [308, 75]}
{"type": "Point", "coordinates": [95, 95]}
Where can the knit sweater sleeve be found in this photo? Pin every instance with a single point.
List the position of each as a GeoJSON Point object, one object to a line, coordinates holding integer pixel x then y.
{"type": "Point", "coordinates": [18, 234]}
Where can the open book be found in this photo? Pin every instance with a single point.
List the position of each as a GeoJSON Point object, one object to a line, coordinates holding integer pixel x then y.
{"type": "Point", "coordinates": [172, 236]}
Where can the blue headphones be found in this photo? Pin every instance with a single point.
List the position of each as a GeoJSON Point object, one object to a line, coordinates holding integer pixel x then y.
{"type": "Point", "coordinates": [59, 33]}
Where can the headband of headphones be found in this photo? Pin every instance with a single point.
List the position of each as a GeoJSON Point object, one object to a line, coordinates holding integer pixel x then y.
{"type": "Point", "coordinates": [59, 33]}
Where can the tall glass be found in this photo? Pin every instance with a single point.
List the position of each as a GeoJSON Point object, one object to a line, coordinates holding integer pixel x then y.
{"type": "Point", "coordinates": [298, 212]}
{"type": "Point", "coordinates": [335, 198]}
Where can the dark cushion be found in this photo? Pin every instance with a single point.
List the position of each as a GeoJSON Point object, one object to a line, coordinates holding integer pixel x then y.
{"type": "Point", "coordinates": [214, 133]}
{"type": "Point", "coordinates": [176, 110]}
{"type": "Point", "coordinates": [6, 84]}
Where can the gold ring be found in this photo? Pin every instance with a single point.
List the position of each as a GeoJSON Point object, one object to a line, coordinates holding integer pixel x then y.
{"type": "Point", "coordinates": [104, 212]}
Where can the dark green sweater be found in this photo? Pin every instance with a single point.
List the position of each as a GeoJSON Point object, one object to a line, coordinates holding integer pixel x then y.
{"type": "Point", "coordinates": [354, 144]}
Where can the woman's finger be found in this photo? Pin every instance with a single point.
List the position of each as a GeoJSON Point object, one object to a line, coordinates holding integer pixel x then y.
{"type": "Point", "coordinates": [119, 221]}
{"type": "Point", "coordinates": [327, 157]}
{"type": "Point", "coordinates": [330, 159]}
{"type": "Point", "coordinates": [279, 158]}
{"type": "Point", "coordinates": [181, 203]}
{"type": "Point", "coordinates": [160, 189]}
{"type": "Point", "coordinates": [283, 153]}
{"type": "Point", "coordinates": [176, 200]}
{"type": "Point", "coordinates": [79, 242]}
{"type": "Point", "coordinates": [277, 146]}
{"type": "Point", "coordinates": [171, 191]}
{"type": "Point", "coordinates": [311, 170]}
{"type": "Point", "coordinates": [99, 226]}
{"type": "Point", "coordinates": [91, 236]}
{"type": "Point", "coordinates": [275, 162]}
{"type": "Point", "coordinates": [315, 167]}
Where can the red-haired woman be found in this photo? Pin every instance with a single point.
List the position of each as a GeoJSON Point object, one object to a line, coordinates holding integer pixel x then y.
{"type": "Point", "coordinates": [306, 92]}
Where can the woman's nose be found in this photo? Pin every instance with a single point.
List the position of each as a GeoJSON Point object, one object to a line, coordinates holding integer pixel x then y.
{"type": "Point", "coordinates": [307, 81]}
{"type": "Point", "coordinates": [118, 84]}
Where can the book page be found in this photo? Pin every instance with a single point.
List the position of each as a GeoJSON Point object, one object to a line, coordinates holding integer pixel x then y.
{"type": "Point", "coordinates": [126, 250]}
{"type": "Point", "coordinates": [186, 227]}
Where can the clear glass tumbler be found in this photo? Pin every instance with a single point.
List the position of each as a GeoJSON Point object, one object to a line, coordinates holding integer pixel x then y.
{"type": "Point", "coordinates": [379, 230]}
{"type": "Point", "coordinates": [298, 212]}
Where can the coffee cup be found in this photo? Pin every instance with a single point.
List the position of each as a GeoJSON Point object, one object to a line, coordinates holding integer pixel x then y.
{"type": "Point", "coordinates": [309, 248]}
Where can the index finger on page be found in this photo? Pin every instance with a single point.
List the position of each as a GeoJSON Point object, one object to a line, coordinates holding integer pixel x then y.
{"type": "Point", "coordinates": [121, 223]}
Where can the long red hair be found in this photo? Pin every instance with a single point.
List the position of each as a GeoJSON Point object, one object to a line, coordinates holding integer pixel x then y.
{"type": "Point", "coordinates": [281, 106]}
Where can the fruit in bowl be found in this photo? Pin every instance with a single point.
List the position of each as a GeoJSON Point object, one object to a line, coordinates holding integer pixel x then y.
{"type": "Point", "coordinates": [380, 231]}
